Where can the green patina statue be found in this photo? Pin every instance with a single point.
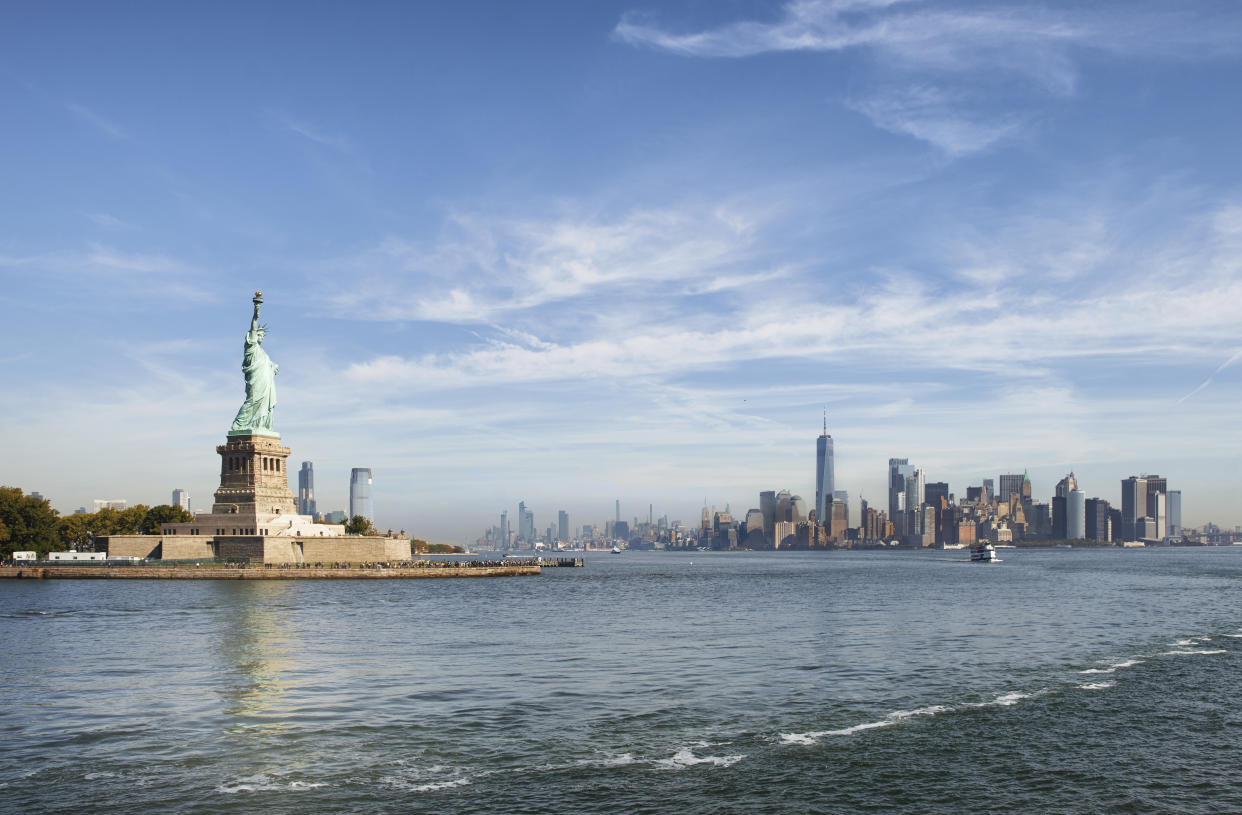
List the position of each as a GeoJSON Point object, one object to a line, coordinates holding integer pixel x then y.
{"type": "Point", "coordinates": [256, 412]}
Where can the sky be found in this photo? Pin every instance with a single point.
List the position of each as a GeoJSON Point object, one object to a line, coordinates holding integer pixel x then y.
{"type": "Point", "coordinates": [570, 253]}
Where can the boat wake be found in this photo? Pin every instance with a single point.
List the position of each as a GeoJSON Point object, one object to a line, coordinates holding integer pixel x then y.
{"type": "Point", "coordinates": [685, 757]}
{"type": "Point", "coordinates": [263, 782]}
{"type": "Point", "coordinates": [1113, 668]}
{"type": "Point", "coordinates": [888, 721]}
{"type": "Point", "coordinates": [1008, 699]}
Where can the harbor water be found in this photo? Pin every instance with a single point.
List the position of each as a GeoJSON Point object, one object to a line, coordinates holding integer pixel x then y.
{"type": "Point", "coordinates": [1074, 681]}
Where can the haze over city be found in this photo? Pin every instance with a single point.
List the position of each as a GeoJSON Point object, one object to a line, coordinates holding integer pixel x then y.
{"type": "Point", "coordinates": [586, 252]}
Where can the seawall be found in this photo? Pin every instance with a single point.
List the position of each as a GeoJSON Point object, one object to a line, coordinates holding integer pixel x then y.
{"type": "Point", "coordinates": [254, 572]}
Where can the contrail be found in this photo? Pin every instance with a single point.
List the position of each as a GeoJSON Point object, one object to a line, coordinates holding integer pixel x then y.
{"type": "Point", "coordinates": [1236, 356]}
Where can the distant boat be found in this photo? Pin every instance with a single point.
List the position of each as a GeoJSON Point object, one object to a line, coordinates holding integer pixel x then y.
{"type": "Point", "coordinates": [984, 553]}
{"type": "Point", "coordinates": [616, 550]}
{"type": "Point", "coordinates": [1065, 546]}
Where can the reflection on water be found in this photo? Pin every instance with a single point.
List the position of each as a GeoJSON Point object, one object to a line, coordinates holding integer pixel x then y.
{"type": "Point", "coordinates": [254, 656]}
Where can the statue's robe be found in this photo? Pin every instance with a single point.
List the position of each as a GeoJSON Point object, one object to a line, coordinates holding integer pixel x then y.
{"type": "Point", "coordinates": [256, 411]}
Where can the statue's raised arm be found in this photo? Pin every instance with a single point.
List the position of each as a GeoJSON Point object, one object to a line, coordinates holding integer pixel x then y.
{"type": "Point", "coordinates": [254, 321]}
{"type": "Point", "coordinates": [255, 413]}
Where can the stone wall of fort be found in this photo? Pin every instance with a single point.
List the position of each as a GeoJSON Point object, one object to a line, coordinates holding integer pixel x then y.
{"type": "Point", "coordinates": [260, 549]}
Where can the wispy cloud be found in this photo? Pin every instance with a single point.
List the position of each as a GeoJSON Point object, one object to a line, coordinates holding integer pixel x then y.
{"type": "Point", "coordinates": [930, 115]}
{"type": "Point", "coordinates": [106, 221]}
{"type": "Point", "coordinates": [311, 132]}
{"type": "Point", "coordinates": [923, 50]}
{"type": "Point", "coordinates": [491, 267]}
{"type": "Point", "coordinates": [105, 126]}
{"type": "Point", "coordinates": [141, 274]}
{"type": "Point", "coordinates": [1026, 300]}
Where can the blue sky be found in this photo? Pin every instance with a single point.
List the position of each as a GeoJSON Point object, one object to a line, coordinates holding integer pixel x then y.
{"type": "Point", "coordinates": [566, 253]}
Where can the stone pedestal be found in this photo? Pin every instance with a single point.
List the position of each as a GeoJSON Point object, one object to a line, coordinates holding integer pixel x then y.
{"type": "Point", "coordinates": [254, 478]}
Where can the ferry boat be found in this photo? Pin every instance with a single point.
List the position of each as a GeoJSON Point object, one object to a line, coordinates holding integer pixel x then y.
{"type": "Point", "coordinates": [984, 553]}
{"type": "Point", "coordinates": [616, 550]}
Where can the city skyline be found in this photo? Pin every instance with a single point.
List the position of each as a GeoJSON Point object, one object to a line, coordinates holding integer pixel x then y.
{"type": "Point", "coordinates": [569, 253]}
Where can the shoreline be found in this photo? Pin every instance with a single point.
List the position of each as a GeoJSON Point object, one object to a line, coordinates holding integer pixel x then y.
{"type": "Point", "coordinates": [256, 572]}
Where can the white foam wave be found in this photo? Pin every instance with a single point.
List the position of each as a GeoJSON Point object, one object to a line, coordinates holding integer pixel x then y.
{"type": "Point", "coordinates": [264, 783]}
{"type": "Point", "coordinates": [409, 785]}
{"type": "Point", "coordinates": [1007, 699]}
{"type": "Point", "coordinates": [858, 728]}
{"type": "Point", "coordinates": [888, 721]}
{"type": "Point", "coordinates": [1098, 685]}
{"type": "Point", "coordinates": [1190, 641]}
{"type": "Point", "coordinates": [440, 785]}
{"type": "Point", "coordinates": [96, 776]}
{"type": "Point", "coordinates": [922, 711]}
{"type": "Point", "coordinates": [1234, 636]}
{"type": "Point", "coordinates": [685, 757]}
{"type": "Point", "coordinates": [1129, 663]}
{"type": "Point", "coordinates": [1189, 652]}
{"type": "Point", "coordinates": [800, 738]}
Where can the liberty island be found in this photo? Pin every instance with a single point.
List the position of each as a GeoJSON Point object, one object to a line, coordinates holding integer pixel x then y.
{"type": "Point", "coordinates": [254, 520]}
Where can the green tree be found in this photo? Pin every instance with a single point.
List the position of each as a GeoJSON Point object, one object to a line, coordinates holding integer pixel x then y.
{"type": "Point", "coordinates": [359, 525]}
{"type": "Point", "coordinates": [76, 531]}
{"type": "Point", "coordinates": [131, 519]}
{"type": "Point", "coordinates": [163, 514]}
{"type": "Point", "coordinates": [31, 523]}
{"type": "Point", "coordinates": [107, 521]}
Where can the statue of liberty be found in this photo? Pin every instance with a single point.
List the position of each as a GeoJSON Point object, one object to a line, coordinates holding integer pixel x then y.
{"type": "Point", "coordinates": [256, 412]}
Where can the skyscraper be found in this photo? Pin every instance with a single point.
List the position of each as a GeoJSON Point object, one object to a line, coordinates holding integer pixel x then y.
{"type": "Point", "coordinates": [526, 523]}
{"type": "Point", "coordinates": [1157, 502]}
{"type": "Point", "coordinates": [1174, 510]}
{"type": "Point", "coordinates": [1076, 514]}
{"type": "Point", "coordinates": [1098, 524]}
{"type": "Point", "coordinates": [825, 480]}
{"type": "Point", "coordinates": [180, 498]}
{"type": "Point", "coordinates": [562, 525]}
{"type": "Point", "coordinates": [989, 488]}
{"type": "Point", "coordinates": [1061, 529]}
{"type": "Point", "coordinates": [1157, 510]}
{"type": "Point", "coordinates": [767, 506]}
{"type": "Point", "coordinates": [915, 489]}
{"type": "Point", "coordinates": [842, 498]}
{"type": "Point", "coordinates": [306, 489]}
{"type": "Point", "coordinates": [1010, 483]}
{"type": "Point", "coordinates": [360, 493]}
{"type": "Point", "coordinates": [898, 470]}
{"type": "Point", "coordinates": [1133, 506]}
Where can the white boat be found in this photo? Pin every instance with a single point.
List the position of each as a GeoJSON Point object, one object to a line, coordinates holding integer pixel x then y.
{"type": "Point", "coordinates": [984, 553]}
{"type": "Point", "coordinates": [616, 550]}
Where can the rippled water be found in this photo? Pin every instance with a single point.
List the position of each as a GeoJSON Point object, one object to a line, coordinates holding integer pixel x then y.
{"type": "Point", "coordinates": [1058, 681]}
